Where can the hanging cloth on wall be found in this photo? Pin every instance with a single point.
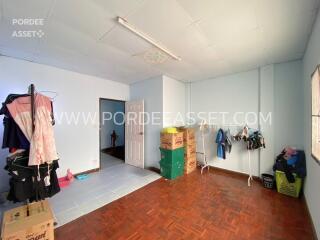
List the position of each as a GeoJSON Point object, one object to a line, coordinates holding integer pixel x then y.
{"type": "Point", "coordinates": [13, 137]}
{"type": "Point", "coordinates": [224, 143]}
{"type": "Point", "coordinates": [42, 143]}
{"type": "Point", "coordinates": [221, 147]}
{"type": "Point", "coordinates": [228, 141]}
{"type": "Point", "coordinates": [253, 138]}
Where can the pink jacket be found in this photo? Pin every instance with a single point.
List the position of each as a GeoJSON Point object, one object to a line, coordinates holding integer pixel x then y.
{"type": "Point", "coordinates": [42, 143]}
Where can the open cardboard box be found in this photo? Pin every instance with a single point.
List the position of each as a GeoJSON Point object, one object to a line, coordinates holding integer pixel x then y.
{"type": "Point", "coordinates": [34, 221]}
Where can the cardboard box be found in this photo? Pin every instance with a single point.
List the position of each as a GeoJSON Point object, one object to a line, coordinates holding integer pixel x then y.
{"type": "Point", "coordinates": [189, 167]}
{"type": "Point", "coordinates": [190, 151]}
{"type": "Point", "coordinates": [29, 222]}
{"type": "Point", "coordinates": [188, 134]}
{"type": "Point", "coordinates": [171, 141]}
{"type": "Point", "coordinates": [191, 158]}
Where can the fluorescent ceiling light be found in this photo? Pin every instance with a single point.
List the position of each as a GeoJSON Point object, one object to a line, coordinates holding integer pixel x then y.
{"type": "Point", "coordinates": [124, 23]}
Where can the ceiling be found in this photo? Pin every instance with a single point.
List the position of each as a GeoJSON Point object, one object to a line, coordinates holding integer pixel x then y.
{"type": "Point", "coordinates": [213, 37]}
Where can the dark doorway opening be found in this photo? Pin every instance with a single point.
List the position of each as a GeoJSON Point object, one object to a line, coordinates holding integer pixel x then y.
{"type": "Point", "coordinates": [112, 132]}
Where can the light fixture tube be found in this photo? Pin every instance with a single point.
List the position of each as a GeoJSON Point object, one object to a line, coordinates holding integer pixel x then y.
{"type": "Point", "coordinates": [125, 23]}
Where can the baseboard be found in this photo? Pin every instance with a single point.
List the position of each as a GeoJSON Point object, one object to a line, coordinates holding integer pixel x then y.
{"type": "Point", "coordinates": [88, 171]}
{"type": "Point", "coordinates": [308, 211]}
{"type": "Point", "coordinates": [230, 172]}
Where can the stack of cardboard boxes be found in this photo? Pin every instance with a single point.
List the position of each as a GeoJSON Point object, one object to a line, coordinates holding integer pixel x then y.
{"type": "Point", "coordinates": [190, 155]}
{"type": "Point", "coordinates": [172, 155]}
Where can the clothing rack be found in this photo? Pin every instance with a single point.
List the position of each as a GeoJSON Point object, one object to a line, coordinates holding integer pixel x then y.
{"type": "Point", "coordinates": [32, 91]}
{"type": "Point", "coordinates": [205, 165]}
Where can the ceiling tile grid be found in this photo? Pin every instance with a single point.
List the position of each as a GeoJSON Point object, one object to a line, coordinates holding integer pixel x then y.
{"type": "Point", "coordinates": [213, 37]}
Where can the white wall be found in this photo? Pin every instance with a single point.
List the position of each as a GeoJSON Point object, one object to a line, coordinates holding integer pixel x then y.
{"type": "Point", "coordinates": [288, 100]}
{"type": "Point", "coordinates": [275, 89]}
{"type": "Point", "coordinates": [167, 98]}
{"type": "Point", "coordinates": [77, 145]}
{"type": "Point", "coordinates": [231, 94]}
{"type": "Point", "coordinates": [310, 61]}
{"type": "Point", "coordinates": [174, 102]}
{"type": "Point", "coordinates": [113, 107]}
{"type": "Point", "coordinates": [267, 83]}
{"type": "Point", "coordinates": [151, 91]}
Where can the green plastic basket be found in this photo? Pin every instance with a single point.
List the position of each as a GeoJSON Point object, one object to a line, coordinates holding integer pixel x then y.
{"type": "Point", "coordinates": [172, 156]}
{"type": "Point", "coordinates": [289, 189]}
{"type": "Point", "coordinates": [172, 171]}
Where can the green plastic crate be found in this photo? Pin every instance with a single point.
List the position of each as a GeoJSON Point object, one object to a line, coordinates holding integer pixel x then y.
{"type": "Point", "coordinates": [284, 187]}
{"type": "Point", "coordinates": [170, 157]}
{"type": "Point", "coordinates": [172, 171]}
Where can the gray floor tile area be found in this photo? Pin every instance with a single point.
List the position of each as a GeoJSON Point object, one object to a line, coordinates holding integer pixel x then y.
{"type": "Point", "coordinates": [114, 181]}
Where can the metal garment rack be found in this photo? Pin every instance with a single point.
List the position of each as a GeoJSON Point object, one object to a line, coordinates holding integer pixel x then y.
{"type": "Point", "coordinates": [203, 126]}
{"type": "Point", "coordinates": [205, 164]}
{"type": "Point", "coordinates": [31, 91]}
{"type": "Point", "coordinates": [33, 113]}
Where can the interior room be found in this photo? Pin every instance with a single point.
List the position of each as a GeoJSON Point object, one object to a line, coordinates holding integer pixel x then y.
{"type": "Point", "coordinates": [171, 119]}
{"type": "Point", "coordinates": [112, 133]}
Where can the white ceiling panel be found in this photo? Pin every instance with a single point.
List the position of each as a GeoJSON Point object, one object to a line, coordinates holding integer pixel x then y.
{"type": "Point", "coordinates": [57, 34]}
{"type": "Point", "coordinates": [26, 9]}
{"type": "Point", "coordinates": [120, 8]}
{"type": "Point", "coordinates": [163, 20]}
{"type": "Point", "coordinates": [177, 69]}
{"type": "Point", "coordinates": [84, 16]}
{"type": "Point", "coordinates": [213, 37]}
{"type": "Point", "coordinates": [17, 53]}
{"type": "Point", "coordinates": [1, 10]}
{"type": "Point", "coordinates": [125, 41]}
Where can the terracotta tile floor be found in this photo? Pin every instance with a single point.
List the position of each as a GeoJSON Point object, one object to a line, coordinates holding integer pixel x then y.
{"type": "Point", "coordinates": [215, 205]}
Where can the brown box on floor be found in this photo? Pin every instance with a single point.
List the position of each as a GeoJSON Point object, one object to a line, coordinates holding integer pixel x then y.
{"type": "Point", "coordinates": [190, 151]}
{"type": "Point", "coordinates": [33, 221]}
{"type": "Point", "coordinates": [189, 135]}
{"type": "Point", "coordinates": [171, 141]}
{"type": "Point", "coordinates": [190, 165]}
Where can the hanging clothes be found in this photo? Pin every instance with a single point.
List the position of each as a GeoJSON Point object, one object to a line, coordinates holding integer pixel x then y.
{"type": "Point", "coordinates": [27, 183]}
{"type": "Point", "coordinates": [221, 147]}
{"type": "Point", "coordinates": [13, 137]}
{"type": "Point", "coordinates": [255, 141]}
{"type": "Point", "coordinates": [32, 161]}
{"type": "Point", "coordinates": [253, 138]}
{"type": "Point", "coordinates": [228, 141]}
{"type": "Point", "coordinates": [42, 143]}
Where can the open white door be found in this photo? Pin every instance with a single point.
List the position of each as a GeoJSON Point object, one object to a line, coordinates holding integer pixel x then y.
{"type": "Point", "coordinates": [135, 133]}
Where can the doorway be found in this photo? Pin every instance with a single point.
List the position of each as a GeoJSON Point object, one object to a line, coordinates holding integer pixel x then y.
{"type": "Point", "coordinates": [112, 132]}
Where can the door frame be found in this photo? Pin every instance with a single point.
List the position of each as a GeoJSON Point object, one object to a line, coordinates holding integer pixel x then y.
{"type": "Point", "coordinates": [100, 124]}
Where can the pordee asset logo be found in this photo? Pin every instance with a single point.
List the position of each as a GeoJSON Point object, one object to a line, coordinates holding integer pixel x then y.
{"type": "Point", "coordinates": [27, 33]}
